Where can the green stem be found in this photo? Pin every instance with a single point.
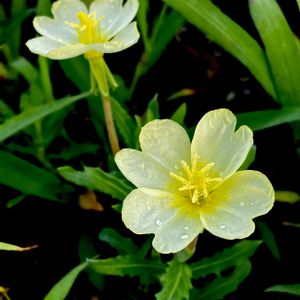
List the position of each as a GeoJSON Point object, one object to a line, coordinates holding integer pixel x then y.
{"type": "Point", "coordinates": [45, 78]}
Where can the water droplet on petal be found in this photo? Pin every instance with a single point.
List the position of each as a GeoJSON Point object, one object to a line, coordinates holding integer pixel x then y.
{"type": "Point", "coordinates": [148, 207]}
{"type": "Point", "coordinates": [242, 203]}
{"type": "Point", "coordinates": [158, 222]}
{"type": "Point", "coordinates": [222, 226]}
{"type": "Point", "coordinates": [186, 228]}
{"type": "Point", "coordinates": [184, 236]}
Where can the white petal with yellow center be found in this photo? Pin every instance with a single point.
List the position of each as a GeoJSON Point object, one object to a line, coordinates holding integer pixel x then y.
{"type": "Point", "coordinates": [150, 211]}
{"type": "Point", "coordinates": [229, 209]}
{"type": "Point", "coordinates": [141, 169]}
{"type": "Point", "coordinates": [167, 142]}
{"type": "Point", "coordinates": [215, 141]}
{"type": "Point", "coordinates": [66, 10]}
{"type": "Point", "coordinates": [55, 30]}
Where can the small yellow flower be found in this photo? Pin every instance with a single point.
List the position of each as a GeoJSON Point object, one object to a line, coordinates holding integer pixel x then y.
{"type": "Point", "coordinates": [103, 28]}
{"type": "Point", "coordinates": [184, 188]}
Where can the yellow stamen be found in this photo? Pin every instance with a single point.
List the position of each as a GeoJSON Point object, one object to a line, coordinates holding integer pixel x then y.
{"type": "Point", "coordinates": [195, 182]}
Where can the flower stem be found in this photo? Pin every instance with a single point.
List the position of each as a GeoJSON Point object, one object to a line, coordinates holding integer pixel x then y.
{"type": "Point", "coordinates": [110, 126]}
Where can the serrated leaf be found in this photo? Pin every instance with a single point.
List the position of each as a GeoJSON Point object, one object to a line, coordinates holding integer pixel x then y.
{"type": "Point", "coordinates": [96, 179]}
{"type": "Point", "coordinates": [293, 289]}
{"type": "Point", "coordinates": [126, 265]}
{"type": "Point", "coordinates": [221, 29]}
{"type": "Point", "coordinates": [21, 121]}
{"type": "Point", "coordinates": [227, 258]}
{"type": "Point", "coordinates": [37, 181]}
{"type": "Point", "coordinates": [281, 49]}
{"type": "Point", "coordinates": [176, 282]}
{"type": "Point", "coordinates": [258, 120]}
{"type": "Point", "coordinates": [117, 241]}
{"type": "Point", "coordinates": [221, 286]}
{"type": "Point", "coordinates": [61, 289]}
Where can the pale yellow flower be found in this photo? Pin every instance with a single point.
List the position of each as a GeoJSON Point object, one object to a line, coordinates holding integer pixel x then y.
{"type": "Point", "coordinates": [105, 27]}
{"type": "Point", "coordinates": [184, 188]}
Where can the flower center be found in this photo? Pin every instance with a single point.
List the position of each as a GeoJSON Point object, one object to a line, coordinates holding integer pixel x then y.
{"type": "Point", "coordinates": [195, 182]}
{"type": "Point", "coordinates": [88, 28]}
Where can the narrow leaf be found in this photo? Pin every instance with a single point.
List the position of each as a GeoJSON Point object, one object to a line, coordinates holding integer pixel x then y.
{"type": "Point", "coordinates": [293, 289]}
{"type": "Point", "coordinates": [281, 48]}
{"type": "Point", "coordinates": [126, 265]}
{"type": "Point", "coordinates": [117, 241]}
{"type": "Point", "coordinates": [179, 114]}
{"type": "Point", "coordinates": [29, 117]}
{"type": "Point", "coordinates": [96, 179]}
{"type": "Point", "coordinates": [227, 258]}
{"type": "Point", "coordinates": [10, 247]}
{"type": "Point", "coordinates": [176, 282]}
{"type": "Point", "coordinates": [221, 286]}
{"type": "Point", "coordinates": [221, 29]}
{"type": "Point", "coordinates": [62, 288]}
{"type": "Point", "coordinates": [287, 197]}
{"type": "Point", "coordinates": [37, 181]}
{"type": "Point", "coordinates": [258, 120]}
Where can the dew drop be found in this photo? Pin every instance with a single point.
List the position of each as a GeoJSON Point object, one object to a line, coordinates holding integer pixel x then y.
{"type": "Point", "coordinates": [186, 228]}
{"type": "Point", "coordinates": [242, 203]}
{"type": "Point", "coordinates": [184, 236]}
{"type": "Point", "coordinates": [222, 226]}
{"type": "Point", "coordinates": [158, 222]}
{"type": "Point", "coordinates": [176, 167]}
{"type": "Point", "coordinates": [251, 203]}
{"type": "Point", "coordinates": [148, 207]}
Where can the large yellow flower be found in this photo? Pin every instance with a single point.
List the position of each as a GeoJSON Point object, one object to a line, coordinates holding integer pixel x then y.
{"type": "Point", "coordinates": [103, 28]}
{"type": "Point", "coordinates": [184, 188]}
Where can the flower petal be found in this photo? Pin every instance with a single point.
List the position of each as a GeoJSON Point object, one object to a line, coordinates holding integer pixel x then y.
{"type": "Point", "coordinates": [55, 30]}
{"type": "Point", "coordinates": [124, 39]}
{"type": "Point", "coordinates": [128, 12]}
{"type": "Point", "coordinates": [215, 141]}
{"type": "Point", "coordinates": [108, 12]}
{"type": "Point", "coordinates": [66, 10]}
{"type": "Point", "coordinates": [167, 142]}
{"type": "Point", "coordinates": [141, 169]}
{"type": "Point", "coordinates": [53, 49]}
{"type": "Point", "coordinates": [151, 211]}
{"type": "Point", "coordinates": [230, 208]}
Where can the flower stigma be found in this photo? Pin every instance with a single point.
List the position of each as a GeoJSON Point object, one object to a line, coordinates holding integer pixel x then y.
{"type": "Point", "coordinates": [194, 182]}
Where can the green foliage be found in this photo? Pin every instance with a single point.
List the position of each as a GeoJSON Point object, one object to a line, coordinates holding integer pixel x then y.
{"type": "Point", "coordinates": [176, 282]}
{"type": "Point", "coordinates": [221, 286]}
{"type": "Point", "coordinates": [281, 49]}
{"type": "Point", "coordinates": [61, 289]}
{"type": "Point", "coordinates": [96, 179]}
{"type": "Point", "coordinates": [221, 29]}
{"type": "Point", "coordinates": [228, 258]}
{"type": "Point", "coordinates": [37, 181]}
{"type": "Point", "coordinates": [292, 289]}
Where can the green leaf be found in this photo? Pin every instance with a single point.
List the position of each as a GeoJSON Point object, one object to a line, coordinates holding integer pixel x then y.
{"type": "Point", "coordinates": [142, 21]}
{"type": "Point", "coordinates": [130, 265]}
{"type": "Point", "coordinates": [117, 241]}
{"type": "Point", "coordinates": [287, 196]}
{"type": "Point", "coordinates": [221, 29]}
{"type": "Point", "coordinates": [227, 258]}
{"type": "Point", "coordinates": [25, 68]}
{"type": "Point", "coordinates": [258, 120]}
{"type": "Point", "coordinates": [96, 179]}
{"type": "Point", "coordinates": [176, 282]}
{"type": "Point", "coordinates": [281, 48]}
{"type": "Point", "coordinates": [293, 289]}
{"type": "Point", "coordinates": [221, 286]}
{"type": "Point", "coordinates": [152, 111]}
{"type": "Point", "coordinates": [124, 123]}
{"type": "Point", "coordinates": [269, 238]}
{"type": "Point", "coordinates": [29, 117]}
{"type": "Point", "coordinates": [62, 288]}
{"type": "Point", "coordinates": [27, 178]}
{"type": "Point", "coordinates": [180, 114]}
